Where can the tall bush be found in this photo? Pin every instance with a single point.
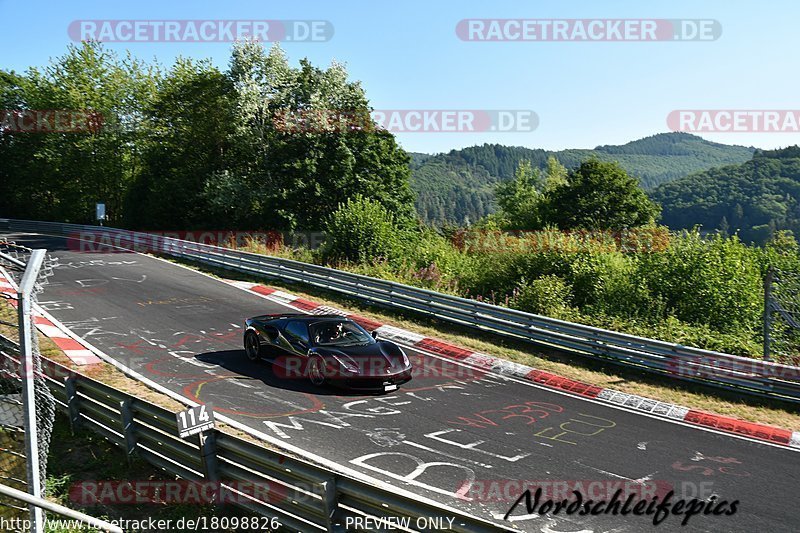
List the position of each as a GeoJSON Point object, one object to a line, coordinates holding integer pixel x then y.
{"type": "Point", "coordinates": [549, 296]}
{"type": "Point", "coordinates": [361, 230]}
{"type": "Point", "coordinates": [715, 281]}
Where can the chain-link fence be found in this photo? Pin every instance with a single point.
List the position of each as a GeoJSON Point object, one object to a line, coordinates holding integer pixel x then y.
{"type": "Point", "coordinates": [782, 317]}
{"type": "Point", "coordinates": [22, 452]}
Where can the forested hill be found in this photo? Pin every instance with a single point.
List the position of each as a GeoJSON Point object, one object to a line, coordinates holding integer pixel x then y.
{"type": "Point", "coordinates": [755, 198]}
{"type": "Point", "coordinates": [458, 186]}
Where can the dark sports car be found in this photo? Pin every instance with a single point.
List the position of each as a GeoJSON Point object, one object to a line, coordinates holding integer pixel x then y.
{"type": "Point", "coordinates": [326, 349]}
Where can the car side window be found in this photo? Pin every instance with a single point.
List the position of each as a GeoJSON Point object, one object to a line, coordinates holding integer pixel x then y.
{"type": "Point", "coordinates": [297, 331]}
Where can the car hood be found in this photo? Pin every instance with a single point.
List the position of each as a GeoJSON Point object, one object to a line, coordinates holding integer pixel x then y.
{"type": "Point", "coordinates": [380, 355]}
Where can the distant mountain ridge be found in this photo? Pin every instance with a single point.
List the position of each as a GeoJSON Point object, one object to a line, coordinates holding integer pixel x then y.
{"type": "Point", "coordinates": [458, 187]}
{"type": "Point", "coordinates": [754, 198]}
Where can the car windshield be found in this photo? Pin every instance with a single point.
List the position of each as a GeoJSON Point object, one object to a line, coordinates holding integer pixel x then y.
{"type": "Point", "coordinates": [339, 333]}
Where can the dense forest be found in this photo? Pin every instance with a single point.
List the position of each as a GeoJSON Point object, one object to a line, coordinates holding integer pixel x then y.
{"type": "Point", "coordinates": [755, 198]}
{"type": "Point", "coordinates": [193, 146]}
{"type": "Point", "coordinates": [458, 187]}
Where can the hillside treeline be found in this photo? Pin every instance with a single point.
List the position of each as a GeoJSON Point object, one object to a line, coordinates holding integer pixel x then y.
{"type": "Point", "coordinates": [457, 187]}
{"type": "Point", "coordinates": [754, 199]}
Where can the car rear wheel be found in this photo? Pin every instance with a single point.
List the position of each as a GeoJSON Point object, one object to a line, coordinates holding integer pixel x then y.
{"type": "Point", "coordinates": [252, 346]}
{"type": "Point", "coordinates": [316, 370]}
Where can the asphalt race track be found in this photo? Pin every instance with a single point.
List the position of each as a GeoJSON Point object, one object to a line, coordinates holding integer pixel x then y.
{"type": "Point", "coordinates": [453, 434]}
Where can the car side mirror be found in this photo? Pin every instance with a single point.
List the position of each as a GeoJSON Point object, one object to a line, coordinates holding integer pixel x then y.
{"type": "Point", "coordinates": [375, 335]}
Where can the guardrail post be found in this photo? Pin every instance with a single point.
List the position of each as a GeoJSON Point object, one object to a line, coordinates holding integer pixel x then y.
{"type": "Point", "coordinates": [208, 452]}
{"type": "Point", "coordinates": [73, 408]}
{"type": "Point", "coordinates": [208, 449]}
{"type": "Point", "coordinates": [128, 428]}
{"type": "Point", "coordinates": [330, 502]}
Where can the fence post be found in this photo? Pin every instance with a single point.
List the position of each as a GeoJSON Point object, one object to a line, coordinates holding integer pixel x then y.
{"type": "Point", "coordinates": [72, 401]}
{"type": "Point", "coordinates": [767, 312]}
{"type": "Point", "coordinates": [128, 429]}
{"type": "Point", "coordinates": [28, 373]}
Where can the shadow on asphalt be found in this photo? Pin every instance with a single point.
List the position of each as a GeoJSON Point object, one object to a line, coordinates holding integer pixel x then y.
{"type": "Point", "coordinates": [237, 362]}
{"type": "Point", "coordinates": [53, 244]}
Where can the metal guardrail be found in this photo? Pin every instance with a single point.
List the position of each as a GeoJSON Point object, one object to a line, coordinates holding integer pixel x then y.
{"type": "Point", "coordinates": [676, 361]}
{"type": "Point", "coordinates": [298, 495]}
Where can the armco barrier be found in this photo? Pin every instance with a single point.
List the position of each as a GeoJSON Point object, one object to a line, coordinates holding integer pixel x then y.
{"type": "Point", "coordinates": [300, 496]}
{"type": "Point", "coordinates": [673, 360]}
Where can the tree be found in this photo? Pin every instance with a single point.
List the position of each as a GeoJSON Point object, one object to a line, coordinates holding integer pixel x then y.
{"type": "Point", "coordinates": [555, 174]}
{"type": "Point", "coordinates": [298, 176]}
{"type": "Point", "coordinates": [519, 199]}
{"type": "Point", "coordinates": [599, 195]}
{"type": "Point", "coordinates": [190, 128]}
{"type": "Point", "coordinates": [724, 227]}
{"type": "Point", "coordinates": [60, 176]}
{"type": "Point", "coordinates": [474, 170]}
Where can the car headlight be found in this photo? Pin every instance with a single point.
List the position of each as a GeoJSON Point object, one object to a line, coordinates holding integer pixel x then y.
{"type": "Point", "coordinates": [347, 363]}
{"type": "Point", "coordinates": [406, 362]}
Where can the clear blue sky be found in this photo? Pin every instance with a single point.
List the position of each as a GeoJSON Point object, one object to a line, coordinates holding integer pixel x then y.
{"type": "Point", "coordinates": [408, 56]}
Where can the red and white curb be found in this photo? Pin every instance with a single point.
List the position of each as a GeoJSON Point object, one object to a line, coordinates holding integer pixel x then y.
{"type": "Point", "coordinates": [772, 434]}
{"type": "Point", "coordinates": [6, 287]}
{"type": "Point", "coordinates": [73, 349]}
